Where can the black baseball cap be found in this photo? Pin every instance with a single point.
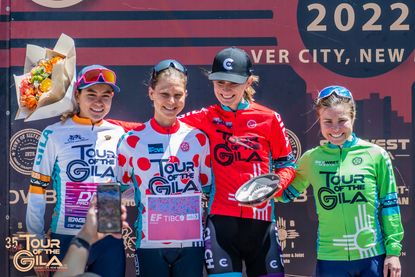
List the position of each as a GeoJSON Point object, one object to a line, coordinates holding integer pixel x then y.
{"type": "Point", "coordinates": [231, 64]}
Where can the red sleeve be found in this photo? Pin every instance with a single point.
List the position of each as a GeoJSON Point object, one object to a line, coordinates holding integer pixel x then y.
{"type": "Point", "coordinates": [195, 118]}
{"type": "Point", "coordinates": [286, 175]}
{"type": "Point", "coordinates": [127, 125]}
{"type": "Point", "coordinates": [283, 160]}
{"type": "Point", "coordinates": [280, 145]}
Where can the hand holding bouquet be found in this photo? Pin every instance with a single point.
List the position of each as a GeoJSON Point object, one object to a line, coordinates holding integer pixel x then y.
{"type": "Point", "coordinates": [37, 82]}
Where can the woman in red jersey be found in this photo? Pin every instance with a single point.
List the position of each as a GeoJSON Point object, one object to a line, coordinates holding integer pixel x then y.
{"type": "Point", "coordinates": [246, 140]}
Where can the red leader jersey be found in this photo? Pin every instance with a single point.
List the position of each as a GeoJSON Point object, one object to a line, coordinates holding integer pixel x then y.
{"type": "Point", "coordinates": [243, 143]}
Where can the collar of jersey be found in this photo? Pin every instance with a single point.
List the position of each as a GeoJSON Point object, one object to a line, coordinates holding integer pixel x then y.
{"type": "Point", "coordinates": [243, 105]}
{"type": "Point", "coordinates": [165, 130]}
{"type": "Point", "coordinates": [85, 121]}
{"type": "Point", "coordinates": [347, 144]}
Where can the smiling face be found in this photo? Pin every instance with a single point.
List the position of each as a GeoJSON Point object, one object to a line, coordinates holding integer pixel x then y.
{"type": "Point", "coordinates": [336, 123]}
{"type": "Point", "coordinates": [230, 94]}
{"type": "Point", "coordinates": [168, 97]}
{"type": "Point", "coordinates": [95, 101]}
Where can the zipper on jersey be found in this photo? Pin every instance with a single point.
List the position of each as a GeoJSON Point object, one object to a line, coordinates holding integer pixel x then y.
{"type": "Point", "coordinates": [342, 205]}
{"type": "Point", "coordinates": [168, 141]}
{"type": "Point", "coordinates": [236, 162]}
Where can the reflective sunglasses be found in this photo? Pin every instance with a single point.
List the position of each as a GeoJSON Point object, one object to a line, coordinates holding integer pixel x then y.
{"type": "Point", "coordinates": [93, 75]}
{"type": "Point", "coordinates": [169, 63]}
{"type": "Point", "coordinates": [338, 90]}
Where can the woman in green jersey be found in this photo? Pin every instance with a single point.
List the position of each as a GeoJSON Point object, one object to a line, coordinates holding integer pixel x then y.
{"type": "Point", "coordinates": [359, 222]}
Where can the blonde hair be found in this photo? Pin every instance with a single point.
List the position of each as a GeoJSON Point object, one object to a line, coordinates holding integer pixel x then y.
{"type": "Point", "coordinates": [250, 91]}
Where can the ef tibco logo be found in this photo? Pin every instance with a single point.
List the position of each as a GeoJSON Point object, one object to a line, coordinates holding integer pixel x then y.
{"type": "Point", "coordinates": [227, 64]}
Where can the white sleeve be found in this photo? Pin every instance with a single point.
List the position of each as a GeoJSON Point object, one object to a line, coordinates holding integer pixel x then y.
{"type": "Point", "coordinates": [35, 214]}
{"type": "Point", "coordinates": [40, 179]}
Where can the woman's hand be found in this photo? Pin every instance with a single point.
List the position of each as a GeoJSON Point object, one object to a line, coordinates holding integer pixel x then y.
{"type": "Point", "coordinates": [392, 265]}
{"type": "Point", "coordinates": [89, 229]}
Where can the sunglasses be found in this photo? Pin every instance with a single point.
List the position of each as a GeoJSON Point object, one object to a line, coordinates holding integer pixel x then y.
{"type": "Point", "coordinates": [338, 90]}
{"type": "Point", "coordinates": [94, 75]}
{"type": "Point", "coordinates": [169, 63]}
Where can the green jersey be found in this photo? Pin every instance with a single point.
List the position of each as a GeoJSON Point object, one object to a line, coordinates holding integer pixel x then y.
{"type": "Point", "coordinates": [355, 195]}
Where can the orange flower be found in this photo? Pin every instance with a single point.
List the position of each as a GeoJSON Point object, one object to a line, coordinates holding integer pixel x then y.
{"type": "Point", "coordinates": [37, 82]}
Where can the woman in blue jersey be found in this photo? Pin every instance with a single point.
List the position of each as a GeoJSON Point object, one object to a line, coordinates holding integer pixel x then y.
{"type": "Point", "coordinates": [360, 229]}
{"type": "Point", "coordinates": [167, 163]}
{"type": "Point", "coordinates": [74, 155]}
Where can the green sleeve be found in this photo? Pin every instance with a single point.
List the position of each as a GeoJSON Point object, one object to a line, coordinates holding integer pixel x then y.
{"type": "Point", "coordinates": [389, 208]}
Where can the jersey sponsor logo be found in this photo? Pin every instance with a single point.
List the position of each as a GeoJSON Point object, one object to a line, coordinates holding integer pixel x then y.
{"type": "Point", "coordinates": [209, 259]}
{"type": "Point", "coordinates": [92, 162]}
{"type": "Point", "coordinates": [72, 219]}
{"type": "Point", "coordinates": [84, 198]}
{"type": "Point", "coordinates": [22, 150]}
{"type": "Point", "coordinates": [174, 177]}
{"type": "Point", "coordinates": [236, 149]}
{"type": "Point", "coordinates": [223, 262]}
{"type": "Point", "coordinates": [357, 161]}
{"type": "Point", "coordinates": [184, 146]}
{"type": "Point", "coordinates": [209, 262]}
{"type": "Point", "coordinates": [155, 148]}
{"type": "Point", "coordinates": [326, 163]}
{"type": "Point", "coordinates": [273, 264]}
{"type": "Point", "coordinates": [341, 189]}
{"type": "Point", "coordinates": [75, 138]}
{"type": "Point", "coordinates": [219, 121]}
{"type": "Point", "coordinates": [251, 124]}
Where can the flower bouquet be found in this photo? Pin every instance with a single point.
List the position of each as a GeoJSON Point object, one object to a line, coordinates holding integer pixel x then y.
{"type": "Point", "coordinates": [46, 87]}
{"type": "Point", "coordinates": [37, 82]}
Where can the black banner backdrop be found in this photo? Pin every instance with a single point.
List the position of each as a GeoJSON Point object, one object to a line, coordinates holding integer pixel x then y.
{"type": "Point", "coordinates": [298, 47]}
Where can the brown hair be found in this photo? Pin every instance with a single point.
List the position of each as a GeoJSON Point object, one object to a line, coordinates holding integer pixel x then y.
{"type": "Point", "coordinates": [75, 109]}
{"type": "Point", "coordinates": [334, 100]}
{"type": "Point", "coordinates": [166, 73]}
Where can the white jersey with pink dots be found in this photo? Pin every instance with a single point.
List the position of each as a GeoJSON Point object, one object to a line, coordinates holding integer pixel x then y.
{"type": "Point", "coordinates": [169, 169]}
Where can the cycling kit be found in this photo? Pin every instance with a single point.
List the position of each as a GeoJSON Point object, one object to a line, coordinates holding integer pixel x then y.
{"type": "Point", "coordinates": [355, 194]}
{"type": "Point", "coordinates": [254, 241]}
{"type": "Point", "coordinates": [74, 156]}
{"type": "Point", "coordinates": [168, 168]}
{"type": "Point", "coordinates": [244, 143]}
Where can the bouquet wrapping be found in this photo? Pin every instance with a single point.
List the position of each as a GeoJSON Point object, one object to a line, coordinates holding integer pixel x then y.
{"type": "Point", "coordinates": [46, 88]}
